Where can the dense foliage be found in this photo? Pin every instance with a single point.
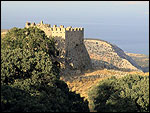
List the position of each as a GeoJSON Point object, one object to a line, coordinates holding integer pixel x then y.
{"type": "Point", "coordinates": [127, 94]}
{"type": "Point", "coordinates": [30, 75]}
{"type": "Point", "coordinates": [32, 39]}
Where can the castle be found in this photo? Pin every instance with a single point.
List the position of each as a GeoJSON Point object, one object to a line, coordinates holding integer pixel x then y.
{"type": "Point", "coordinates": [70, 43]}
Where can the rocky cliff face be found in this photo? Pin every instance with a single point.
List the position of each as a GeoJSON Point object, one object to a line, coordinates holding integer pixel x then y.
{"type": "Point", "coordinates": [107, 55]}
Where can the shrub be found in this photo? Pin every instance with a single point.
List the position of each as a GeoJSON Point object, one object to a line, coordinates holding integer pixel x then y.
{"type": "Point", "coordinates": [127, 94]}
{"type": "Point", "coordinates": [30, 77]}
{"type": "Point", "coordinates": [32, 39]}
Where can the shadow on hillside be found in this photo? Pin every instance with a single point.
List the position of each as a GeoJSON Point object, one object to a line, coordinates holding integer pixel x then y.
{"type": "Point", "coordinates": [145, 69]}
{"type": "Point", "coordinates": [96, 65]}
{"type": "Point", "coordinates": [100, 64]}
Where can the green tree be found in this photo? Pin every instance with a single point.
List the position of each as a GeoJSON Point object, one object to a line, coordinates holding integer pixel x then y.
{"type": "Point", "coordinates": [127, 94]}
{"type": "Point", "coordinates": [30, 75]}
{"type": "Point", "coordinates": [32, 39]}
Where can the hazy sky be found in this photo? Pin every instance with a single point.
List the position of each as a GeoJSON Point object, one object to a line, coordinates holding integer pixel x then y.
{"type": "Point", "coordinates": [113, 21]}
{"type": "Point", "coordinates": [15, 13]}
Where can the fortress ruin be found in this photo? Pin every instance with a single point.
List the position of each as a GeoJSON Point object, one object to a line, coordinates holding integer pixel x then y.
{"type": "Point", "coordinates": [70, 43]}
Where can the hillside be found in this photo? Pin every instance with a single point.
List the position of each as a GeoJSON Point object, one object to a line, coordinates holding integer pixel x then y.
{"type": "Point", "coordinates": [141, 59]}
{"type": "Point", "coordinates": [108, 60]}
{"type": "Point", "coordinates": [106, 55]}
{"type": "Point", "coordinates": [81, 84]}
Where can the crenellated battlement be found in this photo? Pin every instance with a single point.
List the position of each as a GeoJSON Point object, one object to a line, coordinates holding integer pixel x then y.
{"type": "Point", "coordinates": [54, 28]}
{"type": "Point", "coordinates": [59, 31]}
{"type": "Point", "coordinates": [74, 29]}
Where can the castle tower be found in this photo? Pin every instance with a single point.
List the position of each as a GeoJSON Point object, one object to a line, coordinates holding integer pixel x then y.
{"type": "Point", "coordinates": [70, 44]}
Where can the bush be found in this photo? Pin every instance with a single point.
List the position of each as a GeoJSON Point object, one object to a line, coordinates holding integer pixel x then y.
{"type": "Point", "coordinates": [21, 64]}
{"type": "Point", "coordinates": [127, 94]}
{"type": "Point", "coordinates": [32, 39]}
{"type": "Point", "coordinates": [30, 77]}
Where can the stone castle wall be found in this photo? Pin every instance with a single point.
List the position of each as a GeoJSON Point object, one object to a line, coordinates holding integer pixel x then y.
{"type": "Point", "coordinates": [58, 31]}
{"type": "Point", "coordinates": [70, 43]}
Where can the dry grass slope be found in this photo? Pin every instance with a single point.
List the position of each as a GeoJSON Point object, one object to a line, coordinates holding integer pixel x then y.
{"type": "Point", "coordinates": [81, 84]}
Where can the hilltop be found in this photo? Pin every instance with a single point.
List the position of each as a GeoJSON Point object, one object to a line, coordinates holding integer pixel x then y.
{"type": "Point", "coordinates": [106, 55]}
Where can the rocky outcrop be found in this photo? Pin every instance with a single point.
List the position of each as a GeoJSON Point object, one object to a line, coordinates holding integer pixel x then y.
{"type": "Point", "coordinates": [106, 55]}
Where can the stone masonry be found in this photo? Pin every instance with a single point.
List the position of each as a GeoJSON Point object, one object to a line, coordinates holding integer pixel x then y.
{"type": "Point", "coordinates": [70, 43]}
